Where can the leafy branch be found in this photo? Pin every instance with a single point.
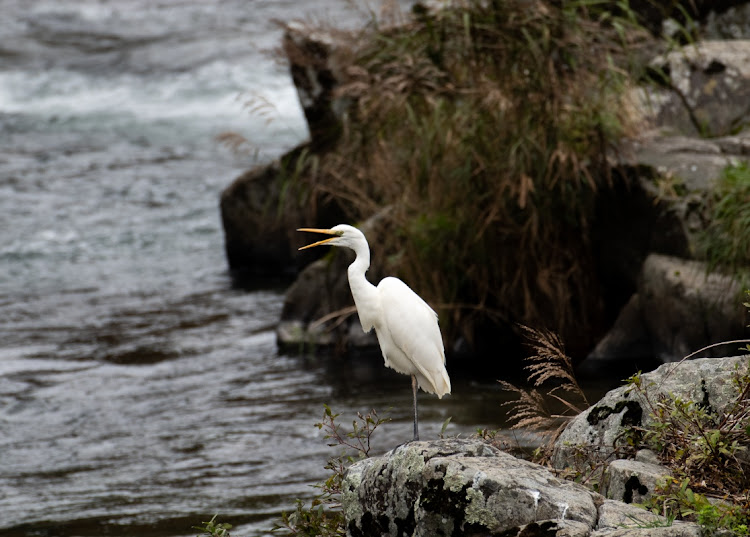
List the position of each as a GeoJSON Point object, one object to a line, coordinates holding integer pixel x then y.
{"type": "Point", "coordinates": [324, 517]}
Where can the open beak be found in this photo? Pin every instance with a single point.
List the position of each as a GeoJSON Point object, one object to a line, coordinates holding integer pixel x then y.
{"type": "Point", "coordinates": [315, 230]}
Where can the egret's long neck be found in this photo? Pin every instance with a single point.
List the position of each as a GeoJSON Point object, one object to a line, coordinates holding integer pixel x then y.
{"type": "Point", "coordinates": [364, 293]}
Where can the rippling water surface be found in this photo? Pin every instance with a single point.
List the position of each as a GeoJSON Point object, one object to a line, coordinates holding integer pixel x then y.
{"type": "Point", "coordinates": [140, 393]}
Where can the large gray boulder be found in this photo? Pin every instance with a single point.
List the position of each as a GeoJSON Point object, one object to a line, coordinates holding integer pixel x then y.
{"type": "Point", "coordinates": [632, 481]}
{"type": "Point", "coordinates": [678, 308]}
{"type": "Point", "coordinates": [709, 88]}
{"type": "Point", "coordinates": [685, 307]}
{"type": "Point", "coordinates": [597, 433]}
{"type": "Point", "coordinates": [469, 488]}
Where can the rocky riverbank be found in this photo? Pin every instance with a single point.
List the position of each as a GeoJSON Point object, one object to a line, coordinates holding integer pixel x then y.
{"type": "Point", "coordinates": [468, 487]}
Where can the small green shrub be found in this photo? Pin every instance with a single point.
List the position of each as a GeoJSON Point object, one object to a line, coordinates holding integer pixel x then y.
{"type": "Point", "coordinates": [323, 517]}
{"type": "Point", "coordinates": [706, 451]}
{"type": "Point", "coordinates": [675, 499]}
{"type": "Point", "coordinates": [725, 241]}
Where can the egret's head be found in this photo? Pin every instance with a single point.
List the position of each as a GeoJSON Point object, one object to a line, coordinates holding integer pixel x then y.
{"type": "Point", "coordinates": [341, 235]}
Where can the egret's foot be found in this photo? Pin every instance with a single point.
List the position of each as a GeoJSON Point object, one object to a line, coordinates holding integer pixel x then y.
{"type": "Point", "coordinates": [402, 444]}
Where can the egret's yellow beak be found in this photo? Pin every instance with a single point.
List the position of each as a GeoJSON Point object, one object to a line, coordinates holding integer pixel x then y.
{"type": "Point", "coordinates": [315, 230]}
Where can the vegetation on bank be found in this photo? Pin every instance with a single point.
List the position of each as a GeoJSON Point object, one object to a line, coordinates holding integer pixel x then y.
{"type": "Point", "coordinates": [725, 242]}
{"type": "Point", "coordinates": [707, 452]}
{"type": "Point", "coordinates": [484, 127]}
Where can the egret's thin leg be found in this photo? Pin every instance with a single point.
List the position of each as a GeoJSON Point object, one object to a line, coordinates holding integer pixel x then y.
{"type": "Point", "coordinates": [414, 389]}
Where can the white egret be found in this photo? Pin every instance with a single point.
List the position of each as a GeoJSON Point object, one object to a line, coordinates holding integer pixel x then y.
{"type": "Point", "coordinates": [406, 327]}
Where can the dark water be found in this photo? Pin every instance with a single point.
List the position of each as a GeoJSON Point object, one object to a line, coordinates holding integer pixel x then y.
{"type": "Point", "coordinates": [139, 392]}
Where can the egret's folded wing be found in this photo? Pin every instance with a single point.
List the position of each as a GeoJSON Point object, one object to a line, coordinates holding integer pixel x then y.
{"type": "Point", "coordinates": [413, 327]}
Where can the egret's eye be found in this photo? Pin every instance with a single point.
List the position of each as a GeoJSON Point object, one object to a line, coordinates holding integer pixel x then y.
{"type": "Point", "coordinates": [340, 233]}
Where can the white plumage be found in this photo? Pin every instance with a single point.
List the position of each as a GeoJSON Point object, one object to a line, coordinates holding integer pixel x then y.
{"type": "Point", "coordinates": [406, 327]}
{"type": "Point", "coordinates": [410, 338]}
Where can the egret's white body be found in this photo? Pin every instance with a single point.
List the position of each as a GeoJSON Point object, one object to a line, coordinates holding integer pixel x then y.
{"type": "Point", "coordinates": [406, 327]}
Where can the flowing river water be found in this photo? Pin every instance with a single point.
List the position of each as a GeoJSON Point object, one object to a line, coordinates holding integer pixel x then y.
{"type": "Point", "coordinates": [140, 392]}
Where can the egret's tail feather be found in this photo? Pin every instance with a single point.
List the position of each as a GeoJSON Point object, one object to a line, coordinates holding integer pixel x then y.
{"type": "Point", "coordinates": [443, 385]}
{"type": "Point", "coordinates": [438, 383]}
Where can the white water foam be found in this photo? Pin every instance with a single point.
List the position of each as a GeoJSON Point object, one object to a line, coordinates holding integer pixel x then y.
{"type": "Point", "coordinates": [195, 96]}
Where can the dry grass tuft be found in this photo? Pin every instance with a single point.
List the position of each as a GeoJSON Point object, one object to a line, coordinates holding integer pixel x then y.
{"type": "Point", "coordinates": [552, 379]}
